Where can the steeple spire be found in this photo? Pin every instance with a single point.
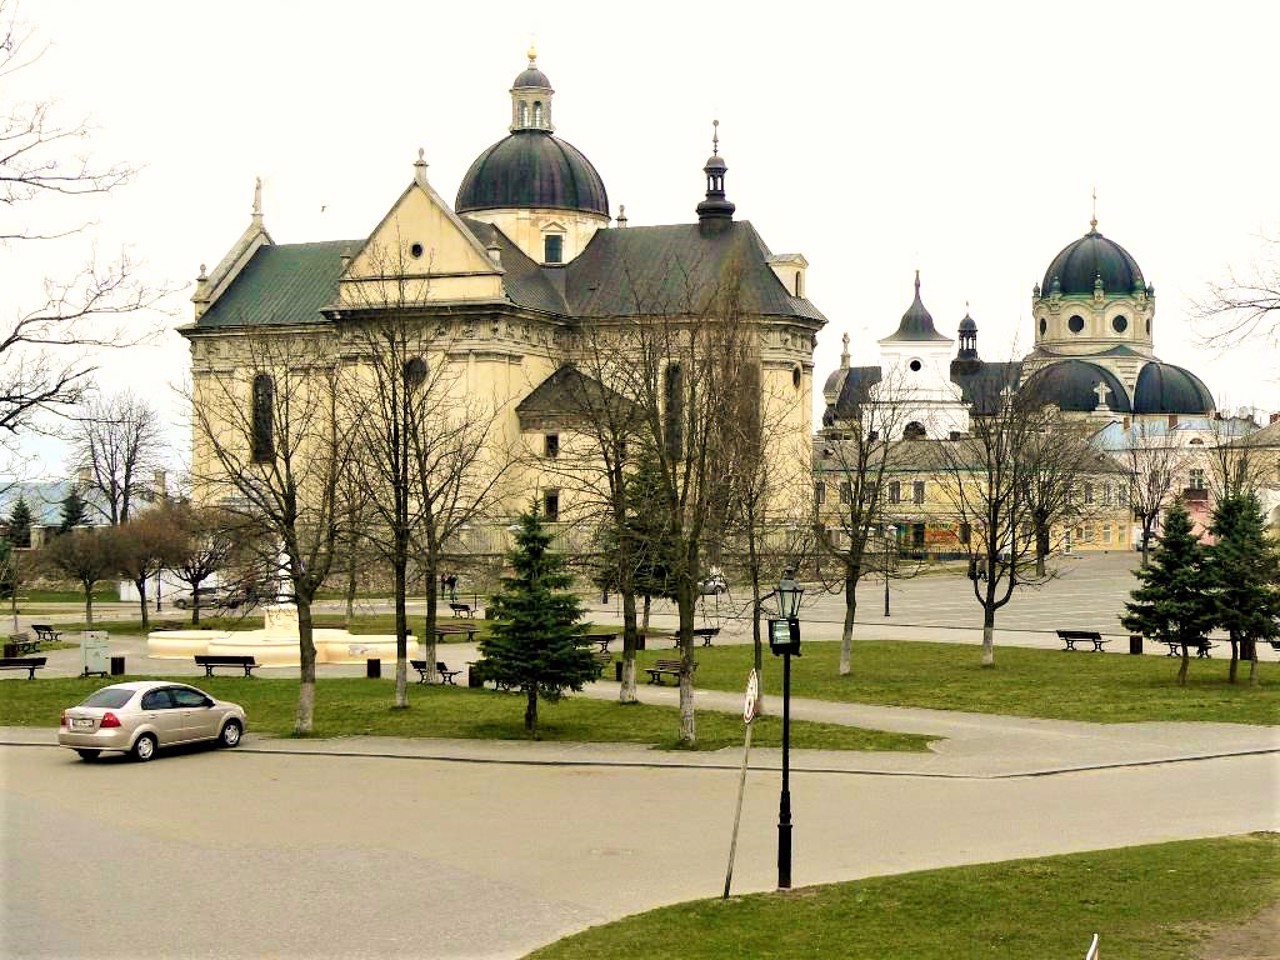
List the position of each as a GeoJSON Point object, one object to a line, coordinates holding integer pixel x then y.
{"type": "Point", "coordinates": [715, 212]}
{"type": "Point", "coordinates": [1093, 221]}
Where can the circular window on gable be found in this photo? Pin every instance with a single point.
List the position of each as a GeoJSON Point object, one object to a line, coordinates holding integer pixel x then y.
{"type": "Point", "coordinates": [915, 366]}
{"type": "Point", "coordinates": [1076, 323]}
{"type": "Point", "coordinates": [1120, 324]}
{"type": "Point", "coordinates": [415, 251]}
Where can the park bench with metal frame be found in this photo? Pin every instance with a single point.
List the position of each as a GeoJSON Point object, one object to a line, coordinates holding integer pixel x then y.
{"type": "Point", "coordinates": [704, 633]}
{"type": "Point", "coordinates": [463, 610]}
{"type": "Point", "coordinates": [30, 664]}
{"type": "Point", "coordinates": [442, 671]}
{"type": "Point", "coordinates": [1201, 647]}
{"type": "Point", "coordinates": [23, 643]}
{"type": "Point", "coordinates": [663, 668]}
{"type": "Point", "coordinates": [209, 661]}
{"type": "Point", "coordinates": [1072, 637]}
{"type": "Point", "coordinates": [45, 632]}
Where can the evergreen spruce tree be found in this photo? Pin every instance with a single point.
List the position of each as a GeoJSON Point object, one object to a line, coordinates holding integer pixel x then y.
{"type": "Point", "coordinates": [74, 511]}
{"type": "Point", "coordinates": [1244, 569]}
{"type": "Point", "coordinates": [20, 524]}
{"type": "Point", "coordinates": [1174, 602]}
{"type": "Point", "coordinates": [537, 644]}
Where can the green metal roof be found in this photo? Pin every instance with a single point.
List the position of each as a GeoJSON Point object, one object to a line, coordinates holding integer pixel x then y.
{"type": "Point", "coordinates": [282, 284]}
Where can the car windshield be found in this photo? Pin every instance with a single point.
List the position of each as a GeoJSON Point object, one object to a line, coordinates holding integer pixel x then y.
{"type": "Point", "coordinates": [111, 698]}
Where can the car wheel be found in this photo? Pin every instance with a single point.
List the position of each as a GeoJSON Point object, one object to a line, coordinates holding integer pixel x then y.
{"type": "Point", "coordinates": [180, 604]}
{"type": "Point", "coordinates": [144, 748]}
{"type": "Point", "coordinates": [88, 754]}
{"type": "Point", "coordinates": [230, 736]}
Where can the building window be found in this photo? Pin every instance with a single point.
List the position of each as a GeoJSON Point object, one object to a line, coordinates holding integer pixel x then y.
{"type": "Point", "coordinates": [537, 113]}
{"type": "Point", "coordinates": [673, 414]}
{"type": "Point", "coordinates": [1106, 494]}
{"type": "Point", "coordinates": [1076, 323]}
{"type": "Point", "coordinates": [917, 536]}
{"type": "Point", "coordinates": [1106, 533]}
{"type": "Point", "coordinates": [551, 505]}
{"type": "Point", "coordinates": [846, 492]}
{"type": "Point", "coordinates": [551, 446]}
{"type": "Point", "coordinates": [524, 114]}
{"type": "Point", "coordinates": [1120, 324]}
{"type": "Point", "coordinates": [966, 533]}
{"type": "Point", "coordinates": [917, 492]}
{"type": "Point", "coordinates": [797, 376]}
{"type": "Point", "coordinates": [264, 400]}
{"type": "Point", "coordinates": [1088, 493]}
{"type": "Point", "coordinates": [914, 431]}
{"type": "Point", "coordinates": [819, 494]}
{"type": "Point", "coordinates": [1197, 479]}
{"type": "Point", "coordinates": [799, 284]}
{"type": "Point", "coordinates": [895, 491]}
{"type": "Point", "coordinates": [553, 248]}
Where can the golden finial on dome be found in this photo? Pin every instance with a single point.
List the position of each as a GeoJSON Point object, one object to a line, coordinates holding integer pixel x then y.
{"type": "Point", "coordinates": [1093, 223]}
{"type": "Point", "coordinates": [533, 53]}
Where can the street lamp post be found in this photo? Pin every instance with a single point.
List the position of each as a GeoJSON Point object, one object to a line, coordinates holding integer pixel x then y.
{"type": "Point", "coordinates": [784, 640]}
{"type": "Point", "coordinates": [890, 532]}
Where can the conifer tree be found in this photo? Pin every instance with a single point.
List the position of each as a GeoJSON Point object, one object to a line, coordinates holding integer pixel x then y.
{"type": "Point", "coordinates": [74, 511]}
{"type": "Point", "coordinates": [537, 644]}
{"type": "Point", "coordinates": [1244, 569]}
{"type": "Point", "coordinates": [1173, 603]}
{"type": "Point", "coordinates": [20, 524]}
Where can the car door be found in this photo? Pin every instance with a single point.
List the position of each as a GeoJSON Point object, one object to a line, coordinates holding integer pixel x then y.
{"type": "Point", "coordinates": [199, 719]}
{"type": "Point", "coordinates": [159, 713]}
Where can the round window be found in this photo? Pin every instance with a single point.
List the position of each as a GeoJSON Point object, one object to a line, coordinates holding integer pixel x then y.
{"type": "Point", "coordinates": [415, 251]}
{"type": "Point", "coordinates": [1076, 323]}
{"type": "Point", "coordinates": [1120, 324]}
{"type": "Point", "coordinates": [915, 366]}
{"type": "Point", "coordinates": [415, 371]}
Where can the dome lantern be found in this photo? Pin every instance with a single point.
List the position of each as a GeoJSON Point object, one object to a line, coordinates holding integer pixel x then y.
{"type": "Point", "coordinates": [715, 210]}
{"type": "Point", "coordinates": [531, 98]}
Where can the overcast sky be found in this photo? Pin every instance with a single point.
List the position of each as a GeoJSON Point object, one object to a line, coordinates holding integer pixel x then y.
{"type": "Point", "coordinates": [964, 140]}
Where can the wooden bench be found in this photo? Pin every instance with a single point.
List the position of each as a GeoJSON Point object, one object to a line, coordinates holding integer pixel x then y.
{"type": "Point", "coordinates": [463, 610]}
{"type": "Point", "coordinates": [703, 633]}
{"type": "Point", "coordinates": [209, 661]}
{"type": "Point", "coordinates": [663, 668]}
{"type": "Point", "coordinates": [1072, 637]}
{"type": "Point", "coordinates": [601, 639]}
{"type": "Point", "coordinates": [29, 664]}
{"type": "Point", "coordinates": [604, 660]}
{"type": "Point", "coordinates": [454, 629]}
{"type": "Point", "coordinates": [1201, 647]}
{"type": "Point", "coordinates": [442, 671]}
{"type": "Point", "coordinates": [22, 643]}
{"type": "Point", "coordinates": [45, 632]}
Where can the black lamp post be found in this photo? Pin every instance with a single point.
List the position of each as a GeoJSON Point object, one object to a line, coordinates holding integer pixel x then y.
{"type": "Point", "coordinates": [890, 532]}
{"type": "Point", "coordinates": [784, 640]}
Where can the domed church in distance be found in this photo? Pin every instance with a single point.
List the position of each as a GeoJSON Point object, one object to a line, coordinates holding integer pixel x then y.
{"type": "Point", "coordinates": [508, 286]}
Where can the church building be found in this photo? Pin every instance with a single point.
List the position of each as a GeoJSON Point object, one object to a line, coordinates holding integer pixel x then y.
{"type": "Point", "coordinates": [507, 281]}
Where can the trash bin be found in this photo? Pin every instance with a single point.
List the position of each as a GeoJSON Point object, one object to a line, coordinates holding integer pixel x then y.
{"type": "Point", "coordinates": [1135, 643]}
{"type": "Point", "coordinates": [117, 666]}
{"type": "Point", "coordinates": [617, 670]}
{"type": "Point", "coordinates": [639, 641]}
{"type": "Point", "coordinates": [10, 650]}
{"type": "Point", "coordinates": [475, 675]}
{"type": "Point", "coordinates": [373, 668]}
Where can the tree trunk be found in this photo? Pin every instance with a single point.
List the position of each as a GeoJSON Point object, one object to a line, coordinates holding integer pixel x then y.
{"type": "Point", "coordinates": [846, 634]}
{"type": "Point", "coordinates": [648, 604]}
{"type": "Point", "coordinates": [304, 720]}
{"type": "Point", "coordinates": [429, 626]}
{"type": "Point", "coordinates": [1253, 668]}
{"type": "Point", "coordinates": [627, 691]}
{"type": "Point", "coordinates": [402, 634]}
{"type": "Point", "coordinates": [88, 604]}
{"type": "Point", "coordinates": [988, 635]}
{"type": "Point", "coordinates": [1235, 660]}
{"type": "Point", "coordinates": [531, 711]}
{"type": "Point", "coordinates": [688, 724]}
{"type": "Point", "coordinates": [351, 586]}
{"type": "Point", "coordinates": [1182, 668]}
{"type": "Point", "coordinates": [141, 584]}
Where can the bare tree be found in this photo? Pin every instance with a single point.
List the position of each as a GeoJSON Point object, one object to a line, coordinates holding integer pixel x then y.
{"type": "Point", "coordinates": [87, 555]}
{"type": "Point", "coordinates": [272, 446]}
{"type": "Point", "coordinates": [1242, 308]}
{"type": "Point", "coordinates": [851, 467]}
{"type": "Point", "coordinates": [144, 547]}
{"type": "Point", "coordinates": [117, 444]}
{"type": "Point", "coordinates": [988, 475]}
{"type": "Point", "coordinates": [209, 536]}
{"type": "Point", "coordinates": [1154, 460]}
{"type": "Point", "coordinates": [46, 350]}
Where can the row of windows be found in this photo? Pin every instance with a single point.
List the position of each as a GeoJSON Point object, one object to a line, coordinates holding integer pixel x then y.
{"type": "Point", "coordinates": [1110, 495]}
{"type": "Point", "coordinates": [895, 492]}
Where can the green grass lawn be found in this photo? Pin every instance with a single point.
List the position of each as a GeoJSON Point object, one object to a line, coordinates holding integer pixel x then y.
{"type": "Point", "coordinates": [1054, 684]}
{"type": "Point", "coordinates": [1154, 902]}
{"type": "Point", "coordinates": [352, 706]}
{"type": "Point", "coordinates": [364, 624]}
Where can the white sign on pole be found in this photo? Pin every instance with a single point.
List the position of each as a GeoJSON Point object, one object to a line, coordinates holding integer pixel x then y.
{"type": "Point", "coordinates": [749, 706]}
{"type": "Point", "coordinates": [752, 701]}
{"type": "Point", "coordinates": [93, 652]}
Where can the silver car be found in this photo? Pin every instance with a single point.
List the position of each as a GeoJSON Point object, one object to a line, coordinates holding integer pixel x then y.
{"type": "Point", "coordinates": [142, 715]}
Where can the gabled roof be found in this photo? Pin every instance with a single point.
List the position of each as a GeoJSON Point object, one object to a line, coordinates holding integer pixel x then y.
{"type": "Point", "coordinates": [657, 270]}
{"type": "Point", "coordinates": [570, 393]}
{"type": "Point", "coordinates": [282, 284]}
{"type": "Point", "coordinates": [525, 282]}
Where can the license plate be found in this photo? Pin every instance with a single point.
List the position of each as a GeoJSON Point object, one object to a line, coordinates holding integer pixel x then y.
{"type": "Point", "coordinates": [82, 722]}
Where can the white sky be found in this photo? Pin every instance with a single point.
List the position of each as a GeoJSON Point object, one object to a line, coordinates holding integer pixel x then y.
{"type": "Point", "coordinates": [961, 139]}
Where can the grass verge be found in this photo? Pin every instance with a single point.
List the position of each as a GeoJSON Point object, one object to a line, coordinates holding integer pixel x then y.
{"type": "Point", "coordinates": [351, 706]}
{"type": "Point", "coordinates": [1156, 902]}
{"type": "Point", "coordinates": [1053, 684]}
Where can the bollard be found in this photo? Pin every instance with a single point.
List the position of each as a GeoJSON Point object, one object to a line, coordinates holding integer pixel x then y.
{"type": "Point", "coordinates": [117, 666]}
{"type": "Point", "coordinates": [373, 669]}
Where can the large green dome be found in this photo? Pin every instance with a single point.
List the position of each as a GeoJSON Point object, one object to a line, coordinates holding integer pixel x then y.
{"type": "Point", "coordinates": [532, 169]}
{"type": "Point", "coordinates": [1080, 264]}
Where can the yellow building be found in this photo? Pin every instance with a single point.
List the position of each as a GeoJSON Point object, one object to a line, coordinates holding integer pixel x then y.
{"type": "Point", "coordinates": [513, 290]}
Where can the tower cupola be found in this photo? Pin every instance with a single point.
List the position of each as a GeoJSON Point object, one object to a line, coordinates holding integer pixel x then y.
{"type": "Point", "coordinates": [715, 211]}
{"type": "Point", "coordinates": [531, 98]}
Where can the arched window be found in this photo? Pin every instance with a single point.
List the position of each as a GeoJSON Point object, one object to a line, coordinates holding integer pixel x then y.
{"type": "Point", "coordinates": [799, 284]}
{"type": "Point", "coordinates": [264, 401]}
{"type": "Point", "coordinates": [537, 113]}
{"type": "Point", "coordinates": [523, 114]}
{"type": "Point", "coordinates": [914, 431]}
